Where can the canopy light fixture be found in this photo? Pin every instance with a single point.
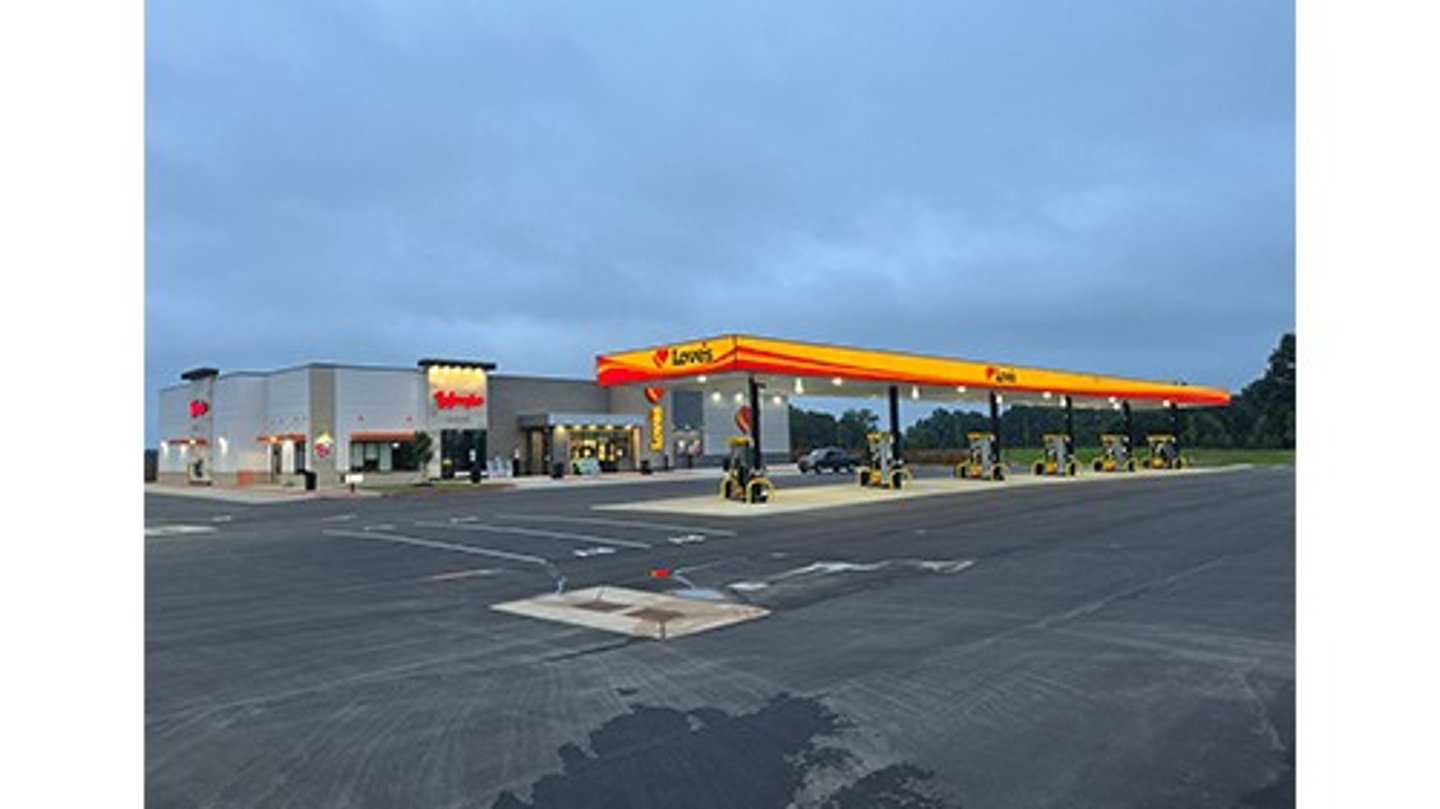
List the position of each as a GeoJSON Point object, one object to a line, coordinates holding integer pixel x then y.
{"type": "Point", "coordinates": [914, 392]}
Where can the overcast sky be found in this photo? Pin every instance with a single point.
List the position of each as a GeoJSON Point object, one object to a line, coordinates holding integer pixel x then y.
{"type": "Point", "coordinates": [1101, 186]}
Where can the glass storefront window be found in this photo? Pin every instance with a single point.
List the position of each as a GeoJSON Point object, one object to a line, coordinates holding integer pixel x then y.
{"type": "Point", "coordinates": [383, 456]}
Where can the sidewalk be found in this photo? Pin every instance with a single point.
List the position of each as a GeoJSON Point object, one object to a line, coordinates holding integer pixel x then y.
{"type": "Point", "coordinates": [254, 495]}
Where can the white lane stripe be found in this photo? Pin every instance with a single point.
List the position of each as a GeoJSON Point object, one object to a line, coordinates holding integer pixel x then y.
{"type": "Point", "coordinates": [175, 530]}
{"type": "Point", "coordinates": [658, 526]}
{"type": "Point", "coordinates": [588, 539]}
{"type": "Point", "coordinates": [442, 546]}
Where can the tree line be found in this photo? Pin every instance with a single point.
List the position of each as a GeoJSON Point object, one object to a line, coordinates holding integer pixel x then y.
{"type": "Point", "coordinates": [1260, 416]}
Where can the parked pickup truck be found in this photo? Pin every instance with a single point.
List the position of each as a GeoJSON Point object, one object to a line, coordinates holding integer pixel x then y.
{"type": "Point", "coordinates": [831, 458]}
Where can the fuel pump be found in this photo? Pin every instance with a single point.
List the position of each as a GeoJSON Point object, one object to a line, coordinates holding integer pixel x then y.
{"type": "Point", "coordinates": [882, 469]}
{"type": "Point", "coordinates": [982, 461]}
{"type": "Point", "coordinates": [742, 481]}
{"type": "Point", "coordinates": [1058, 457]}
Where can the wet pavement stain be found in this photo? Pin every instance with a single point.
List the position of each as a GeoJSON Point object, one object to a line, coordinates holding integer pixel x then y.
{"type": "Point", "coordinates": [710, 759]}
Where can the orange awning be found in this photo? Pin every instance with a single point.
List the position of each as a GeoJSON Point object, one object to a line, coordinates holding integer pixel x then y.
{"type": "Point", "coordinates": [280, 438]}
{"type": "Point", "coordinates": [381, 435]}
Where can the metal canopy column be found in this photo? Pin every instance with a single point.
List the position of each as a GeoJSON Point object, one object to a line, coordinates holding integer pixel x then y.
{"type": "Point", "coordinates": [895, 421]}
{"type": "Point", "coordinates": [1175, 425]}
{"type": "Point", "coordinates": [1129, 427]}
{"type": "Point", "coordinates": [1069, 426]}
{"type": "Point", "coordinates": [995, 424]}
{"type": "Point", "coordinates": [756, 457]}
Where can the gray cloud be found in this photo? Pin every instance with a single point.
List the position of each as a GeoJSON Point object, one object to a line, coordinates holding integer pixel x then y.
{"type": "Point", "coordinates": [1106, 186]}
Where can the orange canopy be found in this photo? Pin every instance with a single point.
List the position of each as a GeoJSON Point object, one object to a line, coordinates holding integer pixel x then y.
{"type": "Point", "coordinates": [809, 369]}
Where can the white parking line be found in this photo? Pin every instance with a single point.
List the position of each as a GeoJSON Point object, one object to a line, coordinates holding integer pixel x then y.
{"type": "Point", "coordinates": [588, 539]}
{"type": "Point", "coordinates": [720, 532]}
{"type": "Point", "coordinates": [440, 546]}
{"type": "Point", "coordinates": [176, 530]}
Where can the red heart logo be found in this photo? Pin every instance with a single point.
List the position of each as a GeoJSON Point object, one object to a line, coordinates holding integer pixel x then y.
{"type": "Point", "coordinates": [990, 372]}
{"type": "Point", "coordinates": [660, 356]}
{"type": "Point", "coordinates": [654, 394]}
{"type": "Point", "coordinates": [742, 418]}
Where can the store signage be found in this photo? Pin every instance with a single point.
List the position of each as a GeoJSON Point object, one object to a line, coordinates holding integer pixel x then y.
{"type": "Point", "coordinates": [657, 428]}
{"type": "Point", "coordinates": [449, 400]}
{"type": "Point", "coordinates": [654, 395]}
{"type": "Point", "coordinates": [1000, 376]}
{"type": "Point", "coordinates": [198, 408]}
{"type": "Point", "coordinates": [324, 444]}
{"type": "Point", "coordinates": [743, 419]}
{"type": "Point", "coordinates": [683, 356]}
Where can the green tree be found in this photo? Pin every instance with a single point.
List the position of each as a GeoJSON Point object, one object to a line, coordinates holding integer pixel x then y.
{"type": "Point", "coordinates": [424, 449]}
{"type": "Point", "coordinates": [1263, 414]}
{"type": "Point", "coordinates": [854, 427]}
{"type": "Point", "coordinates": [810, 429]}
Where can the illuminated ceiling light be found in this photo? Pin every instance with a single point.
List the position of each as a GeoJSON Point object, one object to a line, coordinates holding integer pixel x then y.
{"type": "Point", "coordinates": [836, 381]}
{"type": "Point", "coordinates": [799, 388]}
{"type": "Point", "coordinates": [914, 392]}
{"type": "Point", "coordinates": [999, 398]}
{"type": "Point", "coordinates": [959, 388]}
{"type": "Point", "coordinates": [702, 379]}
{"type": "Point", "coordinates": [778, 401]}
{"type": "Point", "coordinates": [1165, 403]}
{"type": "Point", "coordinates": [1046, 395]}
{"type": "Point", "coordinates": [1114, 404]}
{"type": "Point", "coordinates": [1113, 400]}
{"type": "Point", "coordinates": [715, 397]}
{"type": "Point", "coordinates": [739, 397]}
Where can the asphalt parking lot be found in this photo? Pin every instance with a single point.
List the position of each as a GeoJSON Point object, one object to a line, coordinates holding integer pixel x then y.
{"type": "Point", "coordinates": [1125, 644]}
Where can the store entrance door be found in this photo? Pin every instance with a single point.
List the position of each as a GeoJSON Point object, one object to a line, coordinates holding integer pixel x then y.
{"type": "Point", "coordinates": [460, 450]}
{"type": "Point", "coordinates": [613, 448]}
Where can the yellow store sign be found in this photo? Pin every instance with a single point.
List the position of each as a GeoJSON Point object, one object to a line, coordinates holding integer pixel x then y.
{"type": "Point", "coordinates": [657, 428]}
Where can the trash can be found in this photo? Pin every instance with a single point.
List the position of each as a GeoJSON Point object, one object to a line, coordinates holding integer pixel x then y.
{"type": "Point", "coordinates": [309, 480]}
{"type": "Point", "coordinates": [557, 471]}
{"type": "Point", "coordinates": [474, 473]}
{"type": "Point", "coordinates": [645, 466]}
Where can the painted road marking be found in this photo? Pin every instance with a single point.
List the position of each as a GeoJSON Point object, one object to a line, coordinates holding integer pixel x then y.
{"type": "Point", "coordinates": [177, 530]}
{"type": "Point", "coordinates": [465, 574]}
{"type": "Point", "coordinates": [599, 550]}
{"type": "Point", "coordinates": [440, 546]}
{"type": "Point", "coordinates": [549, 566]}
{"type": "Point", "coordinates": [686, 539]}
{"type": "Point", "coordinates": [747, 586]}
{"type": "Point", "coordinates": [535, 532]}
{"type": "Point", "coordinates": [222, 518]}
{"type": "Point", "coordinates": [381, 527]}
{"type": "Point", "coordinates": [720, 532]}
{"type": "Point", "coordinates": [338, 518]}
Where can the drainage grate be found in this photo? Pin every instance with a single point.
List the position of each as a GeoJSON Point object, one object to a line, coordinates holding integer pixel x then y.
{"type": "Point", "coordinates": [601, 606]}
{"type": "Point", "coordinates": [659, 616]}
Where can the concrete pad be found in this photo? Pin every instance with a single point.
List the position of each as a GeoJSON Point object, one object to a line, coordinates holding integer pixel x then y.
{"type": "Point", "coordinates": [632, 612]}
{"type": "Point", "coordinates": [814, 498]}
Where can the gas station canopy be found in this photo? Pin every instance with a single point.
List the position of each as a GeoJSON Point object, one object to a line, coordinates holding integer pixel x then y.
{"type": "Point", "coordinates": [793, 368]}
